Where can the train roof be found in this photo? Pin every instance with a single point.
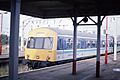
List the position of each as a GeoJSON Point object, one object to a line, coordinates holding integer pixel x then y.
{"type": "Point", "coordinates": [79, 33]}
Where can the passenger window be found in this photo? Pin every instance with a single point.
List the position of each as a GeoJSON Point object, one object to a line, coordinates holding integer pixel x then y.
{"type": "Point", "coordinates": [117, 43]}
{"type": "Point", "coordinates": [60, 44]}
{"type": "Point", "coordinates": [69, 43]}
{"type": "Point", "coordinates": [93, 44]}
{"type": "Point", "coordinates": [83, 43]}
{"type": "Point", "coordinates": [102, 43]}
{"type": "Point", "coordinates": [88, 44]}
{"type": "Point", "coordinates": [111, 43]}
{"type": "Point", "coordinates": [78, 44]}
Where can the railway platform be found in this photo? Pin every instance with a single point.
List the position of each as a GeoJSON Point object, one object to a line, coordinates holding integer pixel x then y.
{"type": "Point", "coordinates": [5, 52]}
{"type": "Point", "coordinates": [86, 70]}
{"type": "Point", "coordinates": [4, 57]}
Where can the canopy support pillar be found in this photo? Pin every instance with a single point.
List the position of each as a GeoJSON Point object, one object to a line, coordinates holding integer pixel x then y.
{"type": "Point", "coordinates": [74, 45]}
{"type": "Point", "coordinates": [98, 47]}
{"type": "Point", "coordinates": [14, 39]}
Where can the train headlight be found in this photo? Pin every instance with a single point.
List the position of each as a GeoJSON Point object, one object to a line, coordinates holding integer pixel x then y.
{"type": "Point", "coordinates": [37, 57]}
{"type": "Point", "coordinates": [28, 56]}
{"type": "Point", "coordinates": [48, 58]}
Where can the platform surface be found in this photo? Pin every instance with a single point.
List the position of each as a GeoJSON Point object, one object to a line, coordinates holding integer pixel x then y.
{"type": "Point", "coordinates": [86, 70]}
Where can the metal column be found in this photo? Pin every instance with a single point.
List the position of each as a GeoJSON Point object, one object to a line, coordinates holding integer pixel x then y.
{"type": "Point", "coordinates": [98, 47]}
{"type": "Point", "coordinates": [106, 51]}
{"type": "Point", "coordinates": [1, 33]}
{"type": "Point", "coordinates": [14, 38]}
{"type": "Point", "coordinates": [74, 45]}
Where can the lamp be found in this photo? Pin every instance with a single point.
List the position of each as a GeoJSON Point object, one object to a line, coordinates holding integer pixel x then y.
{"type": "Point", "coordinates": [85, 19]}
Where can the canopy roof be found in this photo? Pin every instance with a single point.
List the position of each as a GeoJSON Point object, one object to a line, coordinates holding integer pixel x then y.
{"type": "Point", "coordinates": [65, 8]}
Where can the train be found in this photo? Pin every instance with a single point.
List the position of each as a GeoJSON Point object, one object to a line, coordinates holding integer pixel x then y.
{"type": "Point", "coordinates": [47, 46]}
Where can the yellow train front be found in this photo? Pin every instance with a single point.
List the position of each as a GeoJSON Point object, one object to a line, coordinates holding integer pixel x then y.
{"type": "Point", "coordinates": [41, 47]}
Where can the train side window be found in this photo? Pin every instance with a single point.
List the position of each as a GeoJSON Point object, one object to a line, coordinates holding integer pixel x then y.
{"type": "Point", "coordinates": [78, 44]}
{"type": "Point", "coordinates": [64, 44]}
{"type": "Point", "coordinates": [93, 44]}
{"type": "Point", "coordinates": [118, 43]}
{"type": "Point", "coordinates": [84, 44]}
{"type": "Point", "coordinates": [88, 44]}
{"type": "Point", "coordinates": [69, 43]}
{"type": "Point", "coordinates": [81, 44]}
{"type": "Point", "coordinates": [103, 43]}
{"type": "Point", "coordinates": [110, 43]}
{"type": "Point", "coordinates": [60, 44]}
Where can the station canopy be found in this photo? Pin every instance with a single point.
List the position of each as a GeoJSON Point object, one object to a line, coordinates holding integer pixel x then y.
{"type": "Point", "coordinates": [65, 8]}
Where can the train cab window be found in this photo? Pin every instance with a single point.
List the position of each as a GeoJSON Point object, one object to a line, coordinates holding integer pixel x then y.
{"type": "Point", "coordinates": [30, 43]}
{"type": "Point", "coordinates": [48, 43]}
{"type": "Point", "coordinates": [40, 43]}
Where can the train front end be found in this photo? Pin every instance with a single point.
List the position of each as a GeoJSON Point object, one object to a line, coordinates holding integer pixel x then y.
{"type": "Point", "coordinates": [41, 47]}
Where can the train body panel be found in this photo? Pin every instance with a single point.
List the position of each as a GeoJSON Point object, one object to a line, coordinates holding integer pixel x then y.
{"type": "Point", "coordinates": [40, 55]}
{"type": "Point", "coordinates": [68, 54]}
